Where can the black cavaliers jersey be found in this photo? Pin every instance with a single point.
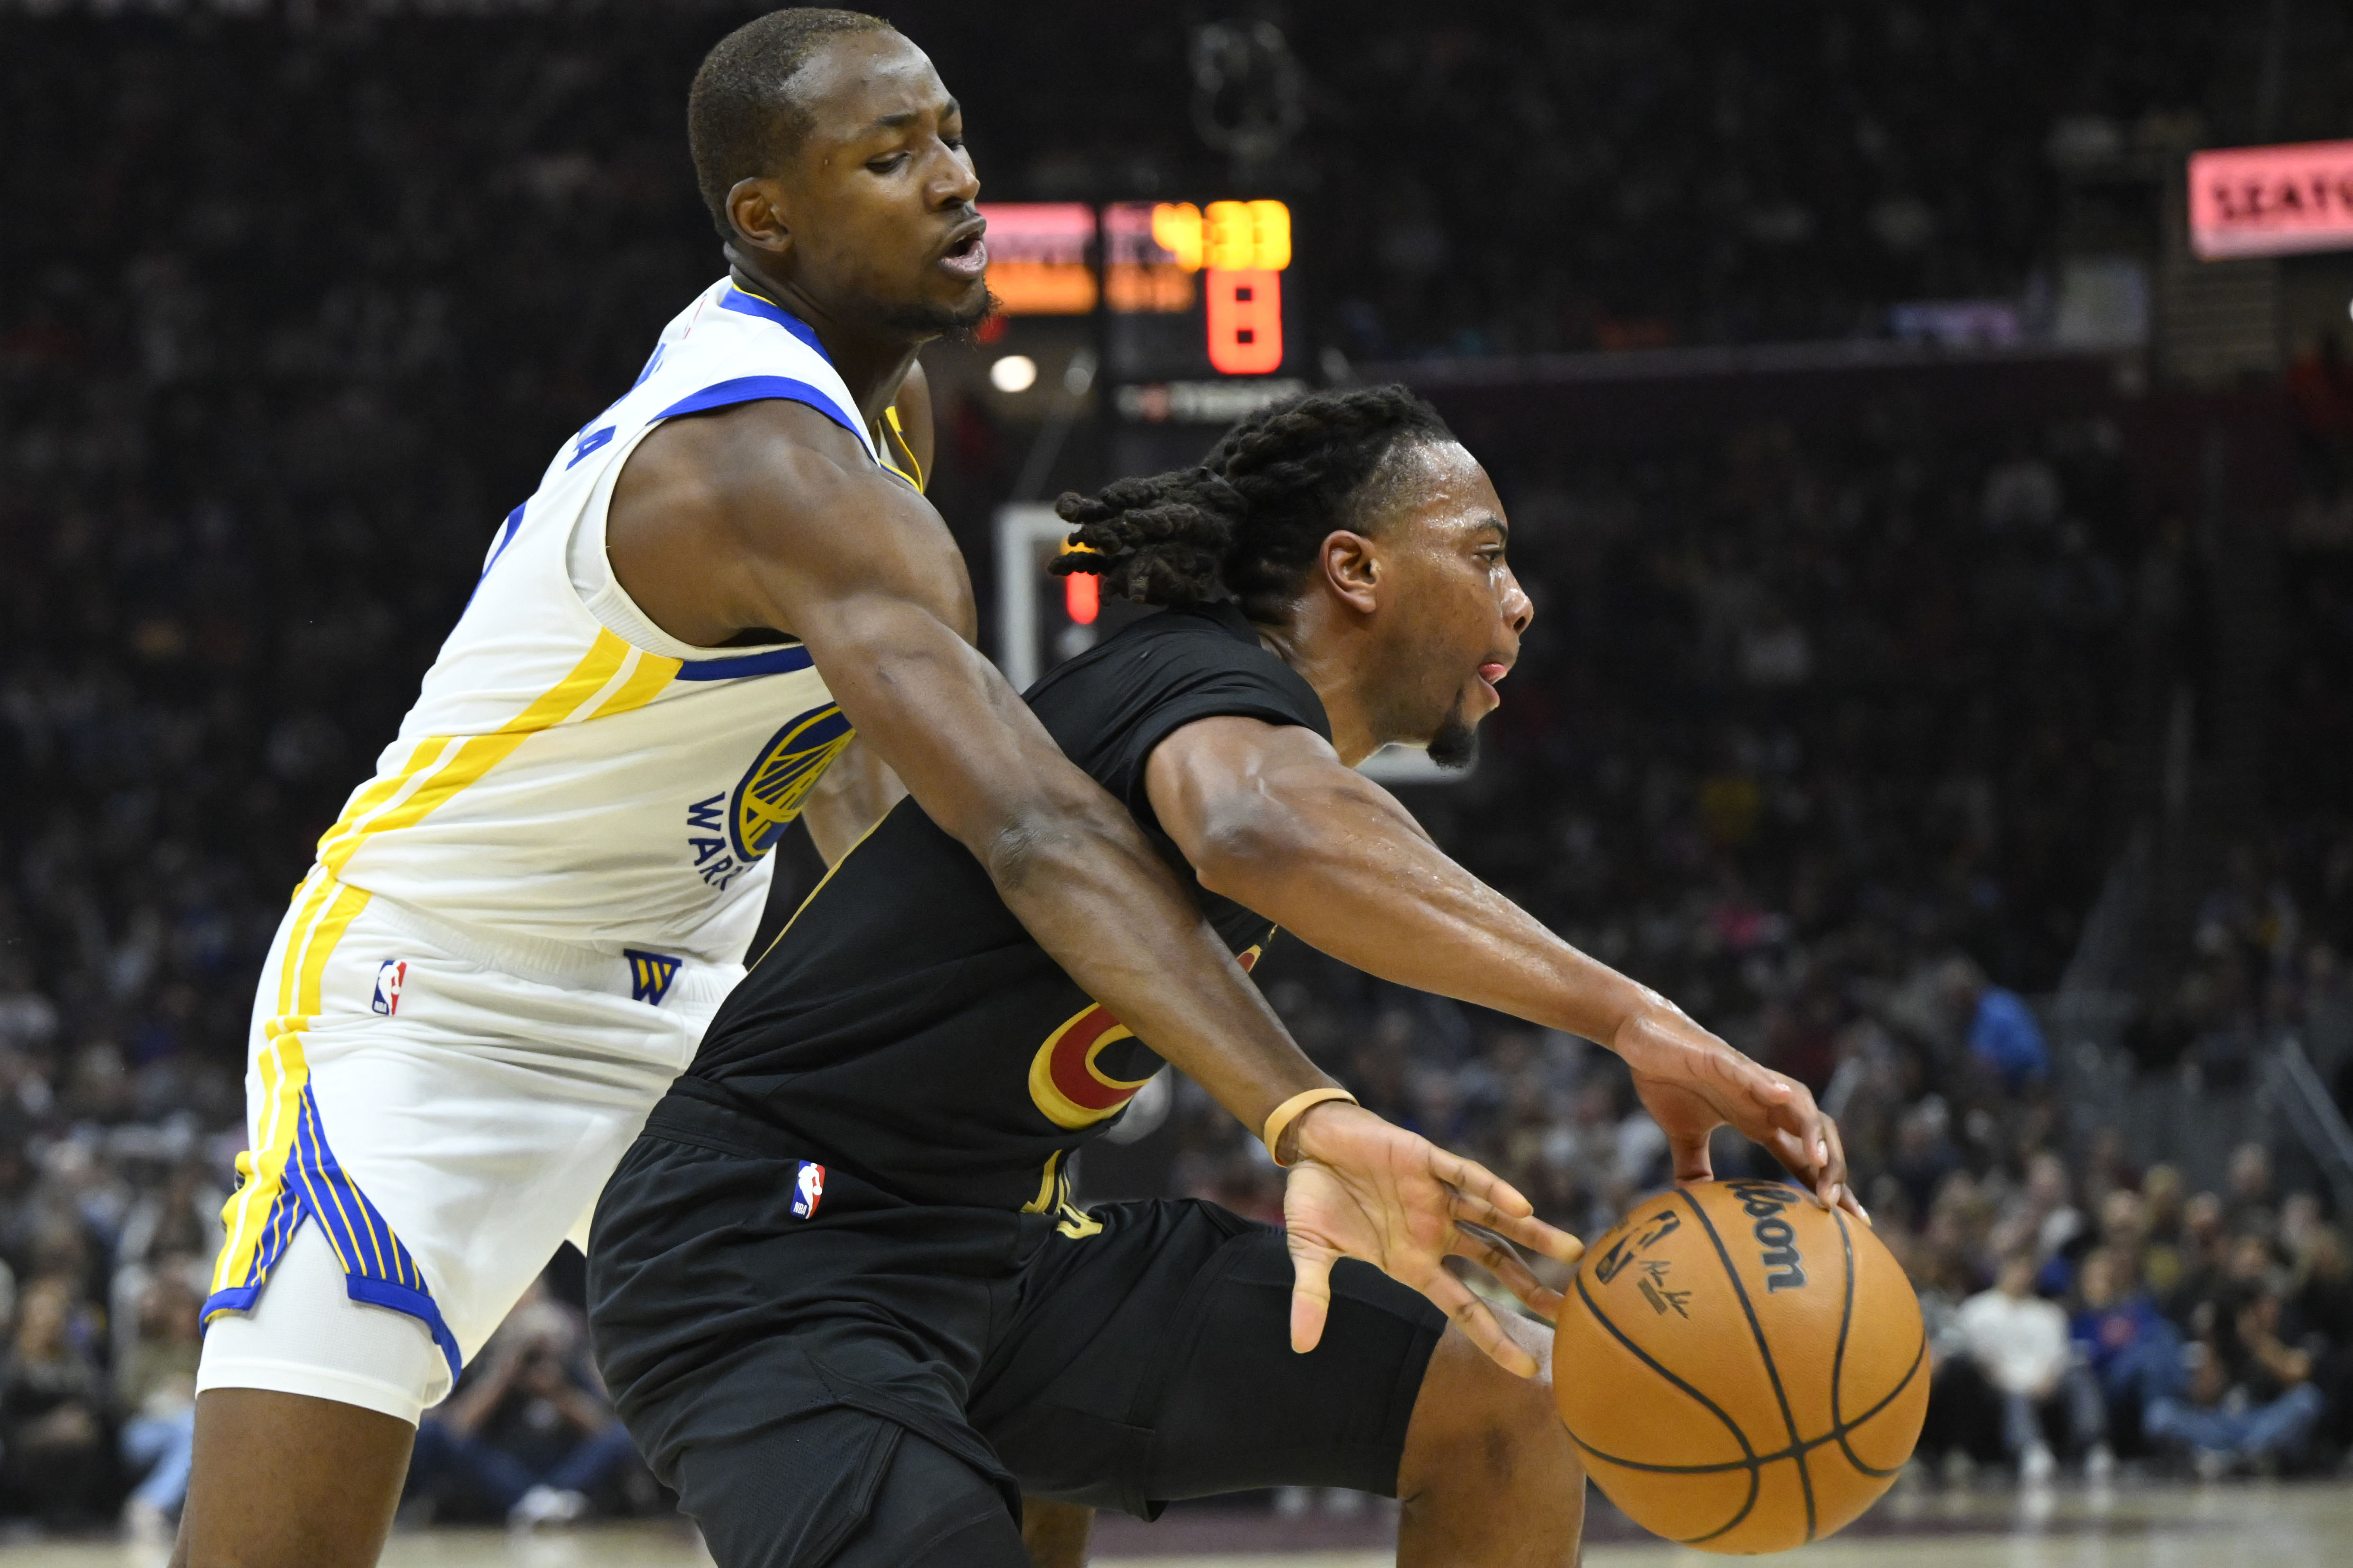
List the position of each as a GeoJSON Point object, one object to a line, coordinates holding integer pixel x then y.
{"type": "Point", "coordinates": [905, 1027]}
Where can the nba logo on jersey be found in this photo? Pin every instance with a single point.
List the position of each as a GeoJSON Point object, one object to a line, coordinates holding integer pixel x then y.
{"type": "Point", "coordinates": [390, 976]}
{"type": "Point", "coordinates": [808, 1189]}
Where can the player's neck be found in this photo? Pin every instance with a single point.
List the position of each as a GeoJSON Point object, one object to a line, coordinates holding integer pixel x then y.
{"type": "Point", "coordinates": [1316, 653]}
{"type": "Point", "coordinates": [870, 363]}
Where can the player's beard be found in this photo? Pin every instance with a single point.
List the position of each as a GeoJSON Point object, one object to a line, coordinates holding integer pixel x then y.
{"type": "Point", "coordinates": [1455, 743]}
{"type": "Point", "coordinates": [956, 326]}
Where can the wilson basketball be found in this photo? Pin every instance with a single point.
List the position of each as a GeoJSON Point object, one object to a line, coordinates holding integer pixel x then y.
{"type": "Point", "coordinates": [1742, 1371]}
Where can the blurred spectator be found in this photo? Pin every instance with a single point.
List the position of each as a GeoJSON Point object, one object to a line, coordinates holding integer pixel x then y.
{"type": "Point", "coordinates": [2162, 1261]}
{"type": "Point", "coordinates": [53, 1408]}
{"type": "Point", "coordinates": [2249, 1399]}
{"type": "Point", "coordinates": [2019, 1343]}
{"type": "Point", "coordinates": [2131, 1348]}
{"type": "Point", "coordinates": [155, 1388]}
{"type": "Point", "coordinates": [2250, 1206]}
{"type": "Point", "coordinates": [2204, 1250]}
{"type": "Point", "coordinates": [2319, 1319]}
{"type": "Point", "coordinates": [2002, 1030]}
{"type": "Point", "coordinates": [528, 1436]}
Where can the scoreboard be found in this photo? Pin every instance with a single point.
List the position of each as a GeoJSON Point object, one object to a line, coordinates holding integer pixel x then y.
{"type": "Point", "coordinates": [1189, 299]}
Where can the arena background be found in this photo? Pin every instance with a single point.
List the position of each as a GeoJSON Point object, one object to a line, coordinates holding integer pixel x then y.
{"type": "Point", "coordinates": [1942, 682]}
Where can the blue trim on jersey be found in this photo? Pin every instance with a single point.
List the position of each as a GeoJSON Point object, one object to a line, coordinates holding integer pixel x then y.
{"type": "Point", "coordinates": [513, 525]}
{"type": "Point", "coordinates": [745, 304]}
{"type": "Point", "coordinates": [776, 661]}
{"type": "Point", "coordinates": [755, 388]}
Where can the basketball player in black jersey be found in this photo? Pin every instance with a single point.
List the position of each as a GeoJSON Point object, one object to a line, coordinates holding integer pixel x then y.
{"type": "Point", "coordinates": [840, 1290]}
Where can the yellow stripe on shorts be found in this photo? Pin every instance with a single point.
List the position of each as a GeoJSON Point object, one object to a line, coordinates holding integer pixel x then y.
{"type": "Point", "coordinates": [327, 911]}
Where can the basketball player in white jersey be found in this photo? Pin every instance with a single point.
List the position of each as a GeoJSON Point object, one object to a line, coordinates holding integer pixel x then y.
{"type": "Point", "coordinates": [517, 929]}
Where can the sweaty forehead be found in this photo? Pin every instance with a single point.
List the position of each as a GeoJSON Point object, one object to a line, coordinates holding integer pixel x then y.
{"type": "Point", "coordinates": [853, 84]}
{"type": "Point", "coordinates": [1437, 485]}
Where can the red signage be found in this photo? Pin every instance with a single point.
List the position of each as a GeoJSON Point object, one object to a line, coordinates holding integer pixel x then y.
{"type": "Point", "coordinates": [2271, 201]}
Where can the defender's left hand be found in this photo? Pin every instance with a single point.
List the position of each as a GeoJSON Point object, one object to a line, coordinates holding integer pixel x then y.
{"type": "Point", "coordinates": [1692, 1083]}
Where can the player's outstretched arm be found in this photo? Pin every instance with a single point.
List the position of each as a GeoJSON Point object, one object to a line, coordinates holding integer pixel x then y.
{"type": "Point", "coordinates": [769, 515]}
{"type": "Point", "coordinates": [1270, 816]}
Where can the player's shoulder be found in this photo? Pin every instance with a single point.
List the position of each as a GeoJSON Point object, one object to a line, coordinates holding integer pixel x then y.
{"type": "Point", "coordinates": [1177, 638]}
{"type": "Point", "coordinates": [1175, 652]}
{"type": "Point", "coordinates": [742, 367]}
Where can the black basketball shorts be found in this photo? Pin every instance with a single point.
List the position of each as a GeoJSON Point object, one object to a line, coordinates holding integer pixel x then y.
{"type": "Point", "coordinates": [879, 1383]}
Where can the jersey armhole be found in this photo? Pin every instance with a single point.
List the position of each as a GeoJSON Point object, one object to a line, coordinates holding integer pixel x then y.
{"type": "Point", "coordinates": [762, 389]}
{"type": "Point", "coordinates": [597, 590]}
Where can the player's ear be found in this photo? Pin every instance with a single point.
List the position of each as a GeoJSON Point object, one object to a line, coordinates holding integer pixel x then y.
{"type": "Point", "coordinates": [1352, 570]}
{"type": "Point", "coordinates": [756, 211]}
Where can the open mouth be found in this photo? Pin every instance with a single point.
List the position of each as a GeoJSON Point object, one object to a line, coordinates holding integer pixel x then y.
{"type": "Point", "coordinates": [1492, 673]}
{"type": "Point", "coordinates": [967, 255]}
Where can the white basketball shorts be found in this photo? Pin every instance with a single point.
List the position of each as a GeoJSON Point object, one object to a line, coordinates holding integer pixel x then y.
{"type": "Point", "coordinates": [440, 1107]}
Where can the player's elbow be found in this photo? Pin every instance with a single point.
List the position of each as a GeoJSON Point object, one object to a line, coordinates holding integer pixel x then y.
{"type": "Point", "coordinates": [1036, 845]}
{"type": "Point", "coordinates": [1244, 842]}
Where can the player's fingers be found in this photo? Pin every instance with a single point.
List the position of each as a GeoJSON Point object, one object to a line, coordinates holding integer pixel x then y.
{"type": "Point", "coordinates": [1692, 1160]}
{"type": "Point", "coordinates": [1853, 1205]}
{"type": "Point", "coordinates": [1768, 1088]}
{"type": "Point", "coordinates": [1311, 1294]}
{"type": "Point", "coordinates": [1818, 1158]}
{"type": "Point", "coordinates": [1527, 1229]}
{"type": "Point", "coordinates": [1835, 1166]}
{"type": "Point", "coordinates": [1477, 1322]}
{"type": "Point", "coordinates": [1791, 1151]}
{"type": "Point", "coordinates": [1475, 1180]}
{"type": "Point", "coordinates": [1498, 1259]}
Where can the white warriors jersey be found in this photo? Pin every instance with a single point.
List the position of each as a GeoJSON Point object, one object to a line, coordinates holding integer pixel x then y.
{"type": "Point", "coordinates": [570, 772]}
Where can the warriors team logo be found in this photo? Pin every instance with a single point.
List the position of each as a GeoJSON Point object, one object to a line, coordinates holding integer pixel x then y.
{"type": "Point", "coordinates": [1065, 1082]}
{"type": "Point", "coordinates": [789, 765]}
{"type": "Point", "coordinates": [808, 1189]}
{"type": "Point", "coordinates": [390, 976]}
{"type": "Point", "coordinates": [651, 974]}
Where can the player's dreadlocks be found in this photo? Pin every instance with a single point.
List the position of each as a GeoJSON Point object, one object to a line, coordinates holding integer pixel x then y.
{"type": "Point", "coordinates": [1249, 521]}
{"type": "Point", "coordinates": [742, 115]}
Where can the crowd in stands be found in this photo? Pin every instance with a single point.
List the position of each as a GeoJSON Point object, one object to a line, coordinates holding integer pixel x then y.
{"type": "Point", "coordinates": [1817, 735]}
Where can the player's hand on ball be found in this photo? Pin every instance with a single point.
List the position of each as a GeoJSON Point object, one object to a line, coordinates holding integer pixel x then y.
{"type": "Point", "coordinates": [1692, 1083]}
{"type": "Point", "coordinates": [1364, 1188]}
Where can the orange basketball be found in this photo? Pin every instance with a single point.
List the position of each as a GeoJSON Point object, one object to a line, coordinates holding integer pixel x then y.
{"type": "Point", "coordinates": [1742, 1371]}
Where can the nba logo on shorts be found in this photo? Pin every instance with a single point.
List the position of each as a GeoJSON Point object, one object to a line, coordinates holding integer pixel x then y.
{"type": "Point", "coordinates": [390, 976]}
{"type": "Point", "coordinates": [808, 1189]}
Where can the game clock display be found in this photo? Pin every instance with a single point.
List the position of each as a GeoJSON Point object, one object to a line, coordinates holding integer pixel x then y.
{"type": "Point", "coordinates": [1193, 291]}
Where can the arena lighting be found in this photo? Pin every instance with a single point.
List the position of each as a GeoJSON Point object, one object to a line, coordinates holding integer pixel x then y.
{"type": "Point", "coordinates": [1014, 373]}
{"type": "Point", "coordinates": [2271, 201]}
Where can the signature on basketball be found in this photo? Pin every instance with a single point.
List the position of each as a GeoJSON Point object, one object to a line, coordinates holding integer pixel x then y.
{"type": "Point", "coordinates": [1763, 1202]}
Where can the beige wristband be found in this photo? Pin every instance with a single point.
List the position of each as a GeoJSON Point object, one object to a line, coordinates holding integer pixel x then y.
{"type": "Point", "coordinates": [1278, 1120]}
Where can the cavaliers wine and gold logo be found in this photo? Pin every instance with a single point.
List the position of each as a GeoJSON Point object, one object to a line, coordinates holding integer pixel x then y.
{"type": "Point", "coordinates": [1065, 1082]}
{"type": "Point", "coordinates": [788, 767]}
